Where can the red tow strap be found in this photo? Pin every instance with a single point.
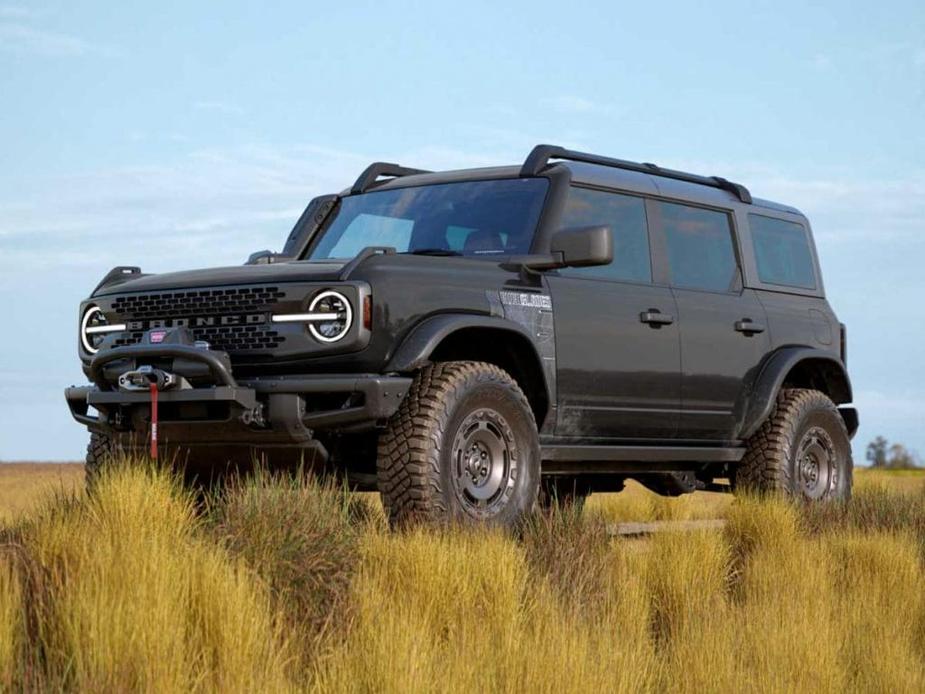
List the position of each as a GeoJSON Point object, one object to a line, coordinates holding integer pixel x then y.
{"type": "Point", "coordinates": [154, 421]}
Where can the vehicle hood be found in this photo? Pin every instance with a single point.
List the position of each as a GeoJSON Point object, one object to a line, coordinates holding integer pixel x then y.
{"type": "Point", "coordinates": [293, 271]}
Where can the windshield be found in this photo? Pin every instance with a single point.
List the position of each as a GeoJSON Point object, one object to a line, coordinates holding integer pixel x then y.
{"type": "Point", "coordinates": [473, 218]}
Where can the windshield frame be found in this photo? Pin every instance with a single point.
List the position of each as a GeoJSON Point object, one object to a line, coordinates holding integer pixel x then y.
{"type": "Point", "coordinates": [549, 196]}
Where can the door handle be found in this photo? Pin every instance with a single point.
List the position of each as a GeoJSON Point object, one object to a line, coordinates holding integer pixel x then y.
{"type": "Point", "coordinates": [656, 318]}
{"type": "Point", "coordinates": [748, 327]}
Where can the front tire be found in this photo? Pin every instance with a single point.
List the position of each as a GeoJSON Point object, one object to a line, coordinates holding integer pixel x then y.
{"type": "Point", "coordinates": [101, 451]}
{"type": "Point", "coordinates": [802, 451]}
{"type": "Point", "coordinates": [463, 447]}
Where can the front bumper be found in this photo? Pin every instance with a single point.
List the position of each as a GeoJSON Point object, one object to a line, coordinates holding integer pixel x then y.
{"type": "Point", "coordinates": [258, 411]}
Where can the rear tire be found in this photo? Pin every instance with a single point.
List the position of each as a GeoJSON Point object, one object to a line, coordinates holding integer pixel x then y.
{"type": "Point", "coordinates": [463, 447]}
{"type": "Point", "coordinates": [802, 451]}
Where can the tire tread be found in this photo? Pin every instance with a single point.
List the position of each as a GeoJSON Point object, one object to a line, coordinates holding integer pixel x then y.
{"type": "Point", "coordinates": [766, 467]}
{"type": "Point", "coordinates": [408, 461]}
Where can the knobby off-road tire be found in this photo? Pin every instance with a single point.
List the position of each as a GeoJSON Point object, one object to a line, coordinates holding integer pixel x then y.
{"type": "Point", "coordinates": [100, 452]}
{"type": "Point", "coordinates": [802, 450]}
{"type": "Point", "coordinates": [463, 447]}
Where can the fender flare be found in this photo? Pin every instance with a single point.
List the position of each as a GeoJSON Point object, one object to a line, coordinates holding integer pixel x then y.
{"type": "Point", "coordinates": [766, 386]}
{"type": "Point", "coordinates": [417, 346]}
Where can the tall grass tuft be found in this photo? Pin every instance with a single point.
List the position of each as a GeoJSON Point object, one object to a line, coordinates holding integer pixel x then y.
{"type": "Point", "coordinates": [875, 507]}
{"type": "Point", "coordinates": [785, 618]}
{"type": "Point", "coordinates": [687, 583]}
{"type": "Point", "coordinates": [877, 582]}
{"type": "Point", "coordinates": [571, 550]}
{"type": "Point", "coordinates": [124, 595]}
{"type": "Point", "coordinates": [301, 537]}
{"type": "Point", "coordinates": [11, 627]}
{"type": "Point", "coordinates": [429, 604]}
{"type": "Point", "coordinates": [462, 610]}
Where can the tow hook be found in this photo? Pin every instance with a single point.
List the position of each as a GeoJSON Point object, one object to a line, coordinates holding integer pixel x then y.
{"type": "Point", "coordinates": [254, 418]}
{"type": "Point", "coordinates": [144, 377]}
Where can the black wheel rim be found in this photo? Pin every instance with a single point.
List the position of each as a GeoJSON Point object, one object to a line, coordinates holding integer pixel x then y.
{"type": "Point", "coordinates": [816, 464]}
{"type": "Point", "coordinates": [484, 463]}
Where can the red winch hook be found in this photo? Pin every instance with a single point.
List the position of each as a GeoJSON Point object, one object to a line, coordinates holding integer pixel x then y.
{"type": "Point", "coordinates": [153, 388]}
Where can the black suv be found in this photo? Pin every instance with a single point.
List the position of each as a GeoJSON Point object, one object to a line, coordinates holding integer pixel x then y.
{"type": "Point", "coordinates": [470, 342]}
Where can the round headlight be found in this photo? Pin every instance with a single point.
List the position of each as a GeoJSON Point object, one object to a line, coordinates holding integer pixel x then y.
{"type": "Point", "coordinates": [337, 306]}
{"type": "Point", "coordinates": [94, 327]}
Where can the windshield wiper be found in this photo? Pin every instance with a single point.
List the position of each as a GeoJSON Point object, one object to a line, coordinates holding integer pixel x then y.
{"type": "Point", "coordinates": [434, 251]}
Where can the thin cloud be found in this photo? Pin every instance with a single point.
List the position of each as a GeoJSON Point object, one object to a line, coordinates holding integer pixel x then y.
{"type": "Point", "coordinates": [897, 416]}
{"type": "Point", "coordinates": [17, 12]}
{"type": "Point", "coordinates": [19, 38]}
{"type": "Point", "coordinates": [209, 207]}
{"type": "Point", "coordinates": [821, 61]}
{"type": "Point", "coordinates": [571, 104]}
{"type": "Point", "coordinates": [219, 107]}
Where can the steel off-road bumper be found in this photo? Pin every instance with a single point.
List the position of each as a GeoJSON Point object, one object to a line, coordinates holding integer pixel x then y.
{"type": "Point", "coordinates": [274, 411]}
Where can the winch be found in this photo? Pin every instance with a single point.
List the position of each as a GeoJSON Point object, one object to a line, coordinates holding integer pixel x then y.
{"type": "Point", "coordinates": [145, 376]}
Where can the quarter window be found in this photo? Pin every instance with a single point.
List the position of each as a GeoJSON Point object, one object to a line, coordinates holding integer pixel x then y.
{"type": "Point", "coordinates": [782, 252]}
{"type": "Point", "coordinates": [699, 247]}
{"type": "Point", "coordinates": [626, 217]}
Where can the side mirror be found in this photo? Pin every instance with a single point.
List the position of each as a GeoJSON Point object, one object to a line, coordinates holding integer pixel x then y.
{"type": "Point", "coordinates": [583, 246]}
{"type": "Point", "coordinates": [265, 258]}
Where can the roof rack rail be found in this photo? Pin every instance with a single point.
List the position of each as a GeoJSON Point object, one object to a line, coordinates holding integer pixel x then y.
{"type": "Point", "coordinates": [381, 168]}
{"type": "Point", "coordinates": [541, 154]}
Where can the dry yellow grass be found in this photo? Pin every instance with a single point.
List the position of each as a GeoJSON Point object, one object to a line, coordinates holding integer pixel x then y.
{"type": "Point", "coordinates": [636, 503]}
{"type": "Point", "coordinates": [10, 622]}
{"type": "Point", "coordinates": [122, 593]}
{"type": "Point", "coordinates": [461, 611]}
{"type": "Point", "coordinates": [23, 485]}
{"type": "Point", "coordinates": [131, 590]}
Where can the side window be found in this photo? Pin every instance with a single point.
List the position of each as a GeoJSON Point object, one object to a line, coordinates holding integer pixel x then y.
{"type": "Point", "coordinates": [698, 244]}
{"type": "Point", "coordinates": [782, 252]}
{"type": "Point", "coordinates": [626, 217]}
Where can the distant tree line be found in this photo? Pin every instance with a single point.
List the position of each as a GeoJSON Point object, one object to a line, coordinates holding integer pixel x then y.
{"type": "Point", "coordinates": [882, 454]}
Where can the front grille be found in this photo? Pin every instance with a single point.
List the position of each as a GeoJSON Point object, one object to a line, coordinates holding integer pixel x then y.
{"type": "Point", "coordinates": [196, 302]}
{"type": "Point", "coordinates": [143, 312]}
{"type": "Point", "coordinates": [228, 338]}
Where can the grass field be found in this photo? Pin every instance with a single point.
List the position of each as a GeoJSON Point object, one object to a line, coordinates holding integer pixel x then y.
{"type": "Point", "coordinates": [287, 586]}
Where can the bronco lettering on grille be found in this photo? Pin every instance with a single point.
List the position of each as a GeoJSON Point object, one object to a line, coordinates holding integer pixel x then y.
{"type": "Point", "coordinates": [199, 322]}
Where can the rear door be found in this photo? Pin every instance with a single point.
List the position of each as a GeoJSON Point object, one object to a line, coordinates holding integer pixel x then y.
{"type": "Point", "coordinates": [617, 340]}
{"type": "Point", "coordinates": [723, 327]}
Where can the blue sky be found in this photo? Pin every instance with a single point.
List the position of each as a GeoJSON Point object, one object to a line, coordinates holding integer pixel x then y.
{"type": "Point", "coordinates": [176, 135]}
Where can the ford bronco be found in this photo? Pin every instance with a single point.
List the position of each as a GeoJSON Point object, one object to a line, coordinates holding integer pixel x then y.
{"type": "Point", "coordinates": [471, 342]}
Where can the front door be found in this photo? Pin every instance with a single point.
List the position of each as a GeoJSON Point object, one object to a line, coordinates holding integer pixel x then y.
{"type": "Point", "coordinates": [617, 338]}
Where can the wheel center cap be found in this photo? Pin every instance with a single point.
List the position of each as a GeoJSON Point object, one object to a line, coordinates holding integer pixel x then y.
{"type": "Point", "coordinates": [478, 462]}
{"type": "Point", "coordinates": [810, 469]}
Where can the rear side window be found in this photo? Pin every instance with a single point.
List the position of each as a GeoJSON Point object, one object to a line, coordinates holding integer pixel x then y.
{"type": "Point", "coordinates": [782, 252]}
{"type": "Point", "coordinates": [699, 247]}
{"type": "Point", "coordinates": [626, 217]}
